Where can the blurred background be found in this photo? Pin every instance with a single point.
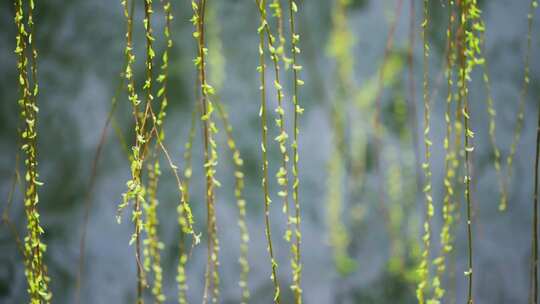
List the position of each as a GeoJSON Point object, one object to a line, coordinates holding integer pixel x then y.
{"type": "Point", "coordinates": [353, 251]}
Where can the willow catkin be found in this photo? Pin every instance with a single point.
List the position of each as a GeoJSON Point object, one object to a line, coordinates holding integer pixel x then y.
{"type": "Point", "coordinates": [34, 248]}
{"type": "Point", "coordinates": [210, 151]}
{"type": "Point", "coordinates": [261, 68]}
{"type": "Point", "coordinates": [424, 269]}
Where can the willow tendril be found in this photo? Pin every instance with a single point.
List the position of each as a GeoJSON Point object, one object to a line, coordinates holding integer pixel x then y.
{"type": "Point", "coordinates": [135, 190]}
{"type": "Point", "coordinates": [423, 269]}
{"type": "Point", "coordinates": [340, 48]}
{"type": "Point", "coordinates": [378, 115]}
{"type": "Point", "coordinates": [447, 208]}
{"type": "Point", "coordinates": [261, 5]}
{"type": "Point", "coordinates": [142, 139]}
{"type": "Point", "coordinates": [210, 152]}
{"type": "Point", "coordinates": [183, 256]}
{"type": "Point", "coordinates": [503, 201]}
{"type": "Point", "coordinates": [34, 248]}
{"type": "Point", "coordinates": [470, 55]}
{"type": "Point", "coordinates": [144, 135]}
{"type": "Point", "coordinates": [522, 96]}
{"type": "Point", "coordinates": [240, 202]}
{"type": "Point", "coordinates": [216, 63]}
{"type": "Point", "coordinates": [152, 245]}
{"type": "Point", "coordinates": [282, 176]}
{"type": "Point", "coordinates": [504, 179]}
{"type": "Point", "coordinates": [298, 110]}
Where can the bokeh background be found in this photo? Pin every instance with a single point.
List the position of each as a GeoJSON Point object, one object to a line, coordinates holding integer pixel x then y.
{"type": "Point", "coordinates": [80, 47]}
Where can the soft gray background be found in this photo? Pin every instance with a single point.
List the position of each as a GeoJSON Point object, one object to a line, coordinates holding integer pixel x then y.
{"type": "Point", "coordinates": [81, 46]}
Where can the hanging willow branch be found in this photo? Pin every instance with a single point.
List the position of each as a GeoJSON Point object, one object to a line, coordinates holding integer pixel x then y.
{"type": "Point", "coordinates": [210, 152]}
{"type": "Point", "coordinates": [148, 128]}
{"type": "Point", "coordinates": [261, 5]}
{"type": "Point", "coordinates": [152, 244]}
{"type": "Point", "coordinates": [282, 176]}
{"type": "Point", "coordinates": [423, 269]}
{"type": "Point", "coordinates": [471, 27]}
{"type": "Point", "coordinates": [216, 62]}
{"type": "Point", "coordinates": [340, 48]}
{"type": "Point", "coordinates": [298, 110]}
{"type": "Point", "coordinates": [135, 186]}
{"type": "Point", "coordinates": [181, 278]}
{"type": "Point", "coordinates": [504, 179]}
{"type": "Point", "coordinates": [448, 208]}
{"type": "Point", "coordinates": [523, 94]}
{"type": "Point", "coordinates": [34, 248]}
{"type": "Point", "coordinates": [240, 203]}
